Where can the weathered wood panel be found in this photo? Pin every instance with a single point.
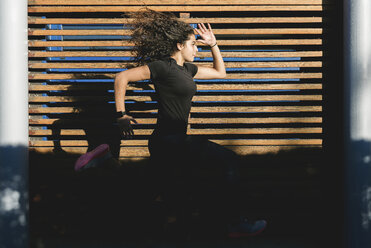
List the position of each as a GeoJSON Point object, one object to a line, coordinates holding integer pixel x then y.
{"type": "Point", "coordinates": [271, 99]}
{"type": "Point", "coordinates": [236, 8]}
{"type": "Point", "coordinates": [173, 2]}
{"type": "Point", "coordinates": [231, 20]}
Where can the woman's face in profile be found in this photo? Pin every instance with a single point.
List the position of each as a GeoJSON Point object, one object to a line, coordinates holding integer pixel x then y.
{"type": "Point", "coordinates": [189, 50]}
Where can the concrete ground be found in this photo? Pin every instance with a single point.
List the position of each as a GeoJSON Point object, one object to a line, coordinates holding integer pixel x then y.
{"type": "Point", "coordinates": [119, 208]}
{"type": "Point", "coordinates": [256, 242]}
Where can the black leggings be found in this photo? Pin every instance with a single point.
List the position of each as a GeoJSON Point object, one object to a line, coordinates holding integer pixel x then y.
{"type": "Point", "coordinates": [176, 157]}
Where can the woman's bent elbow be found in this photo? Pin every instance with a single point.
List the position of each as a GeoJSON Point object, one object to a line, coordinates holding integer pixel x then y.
{"type": "Point", "coordinates": [120, 77]}
{"type": "Point", "coordinates": [223, 74]}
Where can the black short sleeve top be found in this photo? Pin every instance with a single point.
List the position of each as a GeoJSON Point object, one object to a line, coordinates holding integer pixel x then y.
{"type": "Point", "coordinates": [174, 90]}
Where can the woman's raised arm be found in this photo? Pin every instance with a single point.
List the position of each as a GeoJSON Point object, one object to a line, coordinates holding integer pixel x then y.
{"type": "Point", "coordinates": [218, 69]}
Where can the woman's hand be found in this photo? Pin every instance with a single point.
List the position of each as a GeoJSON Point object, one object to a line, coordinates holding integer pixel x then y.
{"type": "Point", "coordinates": [125, 125]}
{"type": "Point", "coordinates": [207, 35]}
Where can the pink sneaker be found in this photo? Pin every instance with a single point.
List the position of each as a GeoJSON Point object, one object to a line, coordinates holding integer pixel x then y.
{"type": "Point", "coordinates": [246, 228]}
{"type": "Point", "coordinates": [93, 158]}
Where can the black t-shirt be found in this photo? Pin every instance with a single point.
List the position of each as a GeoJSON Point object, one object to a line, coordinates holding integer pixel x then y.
{"type": "Point", "coordinates": [174, 87]}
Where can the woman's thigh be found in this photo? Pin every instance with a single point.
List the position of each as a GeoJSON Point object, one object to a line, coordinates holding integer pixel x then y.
{"type": "Point", "coordinates": [169, 146]}
{"type": "Point", "coordinates": [179, 154]}
{"type": "Point", "coordinates": [208, 152]}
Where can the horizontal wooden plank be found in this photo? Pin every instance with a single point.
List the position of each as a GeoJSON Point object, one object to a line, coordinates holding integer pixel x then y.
{"type": "Point", "coordinates": [284, 64]}
{"type": "Point", "coordinates": [143, 143]}
{"type": "Point", "coordinates": [262, 42]}
{"type": "Point", "coordinates": [42, 76]}
{"type": "Point", "coordinates": [124, 152]}
{"type": "Point", "coordinates": [259, 109]}
{"type": "Point", "coordinates": [246, 86]}
{"type": "Point", "coordinates": [232, 109]}
{"type": "Point", "coordinates": [211, 8]}
{"type": "Point", "coordinates": [262, 120]}
{"type": "Point", "coordinates": [192, 120]}
{"type": "Point", "coordinates": [216, 98]}
{"type": "Point", "coordinates": [209, 131]}
{"type": "Point", "coordinates": [256, 131]}
{"type": "Point", "coordinates": [250, 150]}
{"type": "Point", "coordinates": [209, 86]}
{"type": "Point", "coordinates": [124, 143]}
{"type": "Point", "coordinates": [227, 31]}
{"type": "Point", "coordinates": [257, 54]}
{"type": "Point", "coordinates": [137, 152]}
{"type": "Point", "coordinates": [259, 98]}
{"type": "Point", "coordinates": [38, 20]}
{"type": "Point", "coordinates": [172, 2]}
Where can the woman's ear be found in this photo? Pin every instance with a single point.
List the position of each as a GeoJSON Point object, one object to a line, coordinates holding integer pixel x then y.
{"type": "Point", "coordinates": [180, 46]}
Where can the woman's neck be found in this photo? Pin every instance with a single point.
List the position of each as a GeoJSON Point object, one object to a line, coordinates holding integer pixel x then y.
{"type": "Point", "coordinates": [178, 58]}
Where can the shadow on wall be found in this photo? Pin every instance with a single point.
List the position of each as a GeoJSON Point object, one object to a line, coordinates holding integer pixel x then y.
{"type": "Point", "coordinates": [94, 112]}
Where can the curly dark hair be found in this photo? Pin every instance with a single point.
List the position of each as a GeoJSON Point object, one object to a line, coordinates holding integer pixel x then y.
{"type": "Point", "coordinates": [156, 34]}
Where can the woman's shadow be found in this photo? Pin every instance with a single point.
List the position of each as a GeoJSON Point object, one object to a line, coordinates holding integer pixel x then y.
{"type": "Point", "coordinates": [94, 113]}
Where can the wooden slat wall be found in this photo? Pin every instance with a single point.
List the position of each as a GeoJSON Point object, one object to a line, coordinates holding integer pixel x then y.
{"type": "Point", "coordinates": [271, 99]}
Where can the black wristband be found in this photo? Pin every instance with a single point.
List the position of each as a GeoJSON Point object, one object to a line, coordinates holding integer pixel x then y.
{"type": "Point", "coordinates": [216, 43]}
{"type": "Point", "coordinates": [120, 114]}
